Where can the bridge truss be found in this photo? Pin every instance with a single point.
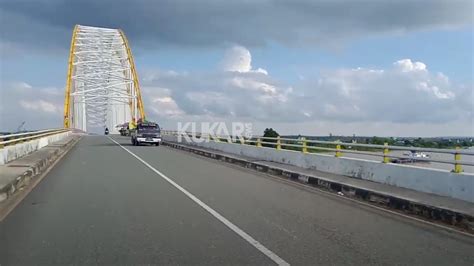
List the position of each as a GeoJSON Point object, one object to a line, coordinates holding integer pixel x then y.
{"type": "Point", "coordinates": [102, 88]}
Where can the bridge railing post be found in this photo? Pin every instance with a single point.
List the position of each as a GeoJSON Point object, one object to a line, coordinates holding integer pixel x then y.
{"type": "Point", "coordinates": [305, 145]}
{"type": "Point", "coordinates": [278, 146]}
{"type": "Point", "coordinates": [338, 149]}
{"type": "Point", "coordinates": [386, 158]}
{"type": "Point", "coordinates": [259, 142]}
{"type": "Point", "coordinates": [457, 159]}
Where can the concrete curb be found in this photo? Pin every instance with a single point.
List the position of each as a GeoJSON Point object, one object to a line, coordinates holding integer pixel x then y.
{"type": "Point", "coordinates": [450, 217]}
{"type": "Point", "coordinates": [11, 153]}
{"type": "Point", "coordinates": [50, 154]}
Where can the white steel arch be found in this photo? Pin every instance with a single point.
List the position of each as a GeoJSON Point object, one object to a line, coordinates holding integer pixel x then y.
{"type": "Point", "coordinates": [102, 87]}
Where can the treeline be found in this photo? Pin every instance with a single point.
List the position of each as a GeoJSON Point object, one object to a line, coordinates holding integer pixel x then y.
{"type": "Point", "coordinates": [439, 143]}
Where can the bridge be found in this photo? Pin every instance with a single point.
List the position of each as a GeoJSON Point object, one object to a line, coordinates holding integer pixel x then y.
{"type": "Point", "coordinates": [69, 197]}
{"type": "Point", "coordinates": [102, 86]}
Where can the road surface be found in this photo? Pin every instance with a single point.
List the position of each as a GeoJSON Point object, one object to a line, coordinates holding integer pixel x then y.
{"type": "Point", "coordinates": [103, 204]}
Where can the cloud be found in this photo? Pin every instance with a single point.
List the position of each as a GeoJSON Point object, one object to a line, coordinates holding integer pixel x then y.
{"type": "Point", "coordinates": [239, 59]}
{"type": "Point", "coordinates": [164, 105]}
{"type": "Point", "coordinates": [38, 107]}
{"type": "Point", "coordinates": [406, 65]}
{"type": "Point", "coordinates": [402, 97]}
{"type": "Point", "coordinates": [406, 93]}
{"type": "Point", "coordinates": [211, 23]}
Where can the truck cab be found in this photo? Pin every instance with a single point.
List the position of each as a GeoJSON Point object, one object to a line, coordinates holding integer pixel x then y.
{"type": "Point", "coordinates": [146, 132]}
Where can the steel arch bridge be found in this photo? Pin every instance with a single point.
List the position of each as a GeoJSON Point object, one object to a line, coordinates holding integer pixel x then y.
{"type": "Point", "coordinates": [102, 88]}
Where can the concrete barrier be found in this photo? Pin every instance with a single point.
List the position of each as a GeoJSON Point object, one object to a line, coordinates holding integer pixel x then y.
{"type": "Point", "coordinates": [439, 182]}
{"type": "Point", "coordinates": [13, 152]}
{"type": "Point", "coordinates": [21, 173]}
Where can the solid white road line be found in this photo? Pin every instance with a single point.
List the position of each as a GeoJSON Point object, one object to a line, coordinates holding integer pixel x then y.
{"type": "Point", "coordinates": [274, 257]}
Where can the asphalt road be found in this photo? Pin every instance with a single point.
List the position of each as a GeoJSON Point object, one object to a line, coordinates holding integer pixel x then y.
{"type": "Point", "coordinates": [103, 205]}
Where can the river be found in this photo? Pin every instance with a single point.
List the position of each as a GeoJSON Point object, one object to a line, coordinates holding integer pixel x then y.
{"type": "Point", "coordinates": [434, 156]}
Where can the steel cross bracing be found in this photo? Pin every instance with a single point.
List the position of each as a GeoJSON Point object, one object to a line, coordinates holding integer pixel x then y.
{"type": "Point", "coordinates": [102, 86]}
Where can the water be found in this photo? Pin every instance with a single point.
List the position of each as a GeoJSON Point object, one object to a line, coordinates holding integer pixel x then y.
{"type": "Point", "coordinates": [434, 156]}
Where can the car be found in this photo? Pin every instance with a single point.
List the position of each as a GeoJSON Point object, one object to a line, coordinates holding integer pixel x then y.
{"type": "Point", "coordinates": [146, 132]}
{"type": "Point", "coordinates": [122, 129]}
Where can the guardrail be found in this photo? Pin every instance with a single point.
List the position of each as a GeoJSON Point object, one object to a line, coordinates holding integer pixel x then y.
{"type": "Point", "coordinates": [311, 146]}
{"type": "Point", "coordinates": [12, 139]}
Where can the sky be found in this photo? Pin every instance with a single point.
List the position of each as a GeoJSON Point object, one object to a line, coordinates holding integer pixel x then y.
{"type": "Point", "coordinates": [364, 67]}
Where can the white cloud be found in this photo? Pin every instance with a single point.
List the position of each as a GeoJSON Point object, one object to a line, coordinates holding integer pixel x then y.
{"type": "Point", "coordinates": [38, 107]}
{"type": "Point", "coordinates": [406, 65]}
{"type": "Point", "coordinates": [424, 86]}
{"type": "Point", "coordinates": [163, 100]}
{"type": "Point", "coordinates": [344, 101]}
{"type": "Point", "coordinates": [261, 70]}
{"type": "Point", "coordinates": [239, 59]}
{"type": "Point", "coordinates": [165, 106]}
{"type": "Point", "coordinates": [251, 84]}
{"type": "Point", "coordinates": [20, 86]}
{"type": "Point", "coordinates": [405, 94]}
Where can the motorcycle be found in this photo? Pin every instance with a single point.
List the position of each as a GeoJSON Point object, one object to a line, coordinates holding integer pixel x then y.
{"type": "Point", "coordinates": [106, 131]}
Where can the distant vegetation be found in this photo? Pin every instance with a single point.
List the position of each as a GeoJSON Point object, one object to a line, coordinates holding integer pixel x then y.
{"type": "Point", "coordinates": [270, 133]}
{"type": "Point", "coordinates": [433, 142]}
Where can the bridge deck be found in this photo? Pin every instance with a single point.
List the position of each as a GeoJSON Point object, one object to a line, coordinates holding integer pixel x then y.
{"type": "Point", "coordinates": [102, 205]}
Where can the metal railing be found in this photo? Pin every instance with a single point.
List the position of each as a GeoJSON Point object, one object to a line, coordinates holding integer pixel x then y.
{"type": "Point", "coordinates": [339, 148]}
{"type": "Point", "coordinates": [12, 139]}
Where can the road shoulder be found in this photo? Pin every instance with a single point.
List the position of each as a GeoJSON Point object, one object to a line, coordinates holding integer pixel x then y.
{"type": "Point", "coordinates": [19, 177]}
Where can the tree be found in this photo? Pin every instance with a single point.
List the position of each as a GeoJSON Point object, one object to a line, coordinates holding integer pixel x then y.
{"type": "Point", "coordinates": [270, 133]}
